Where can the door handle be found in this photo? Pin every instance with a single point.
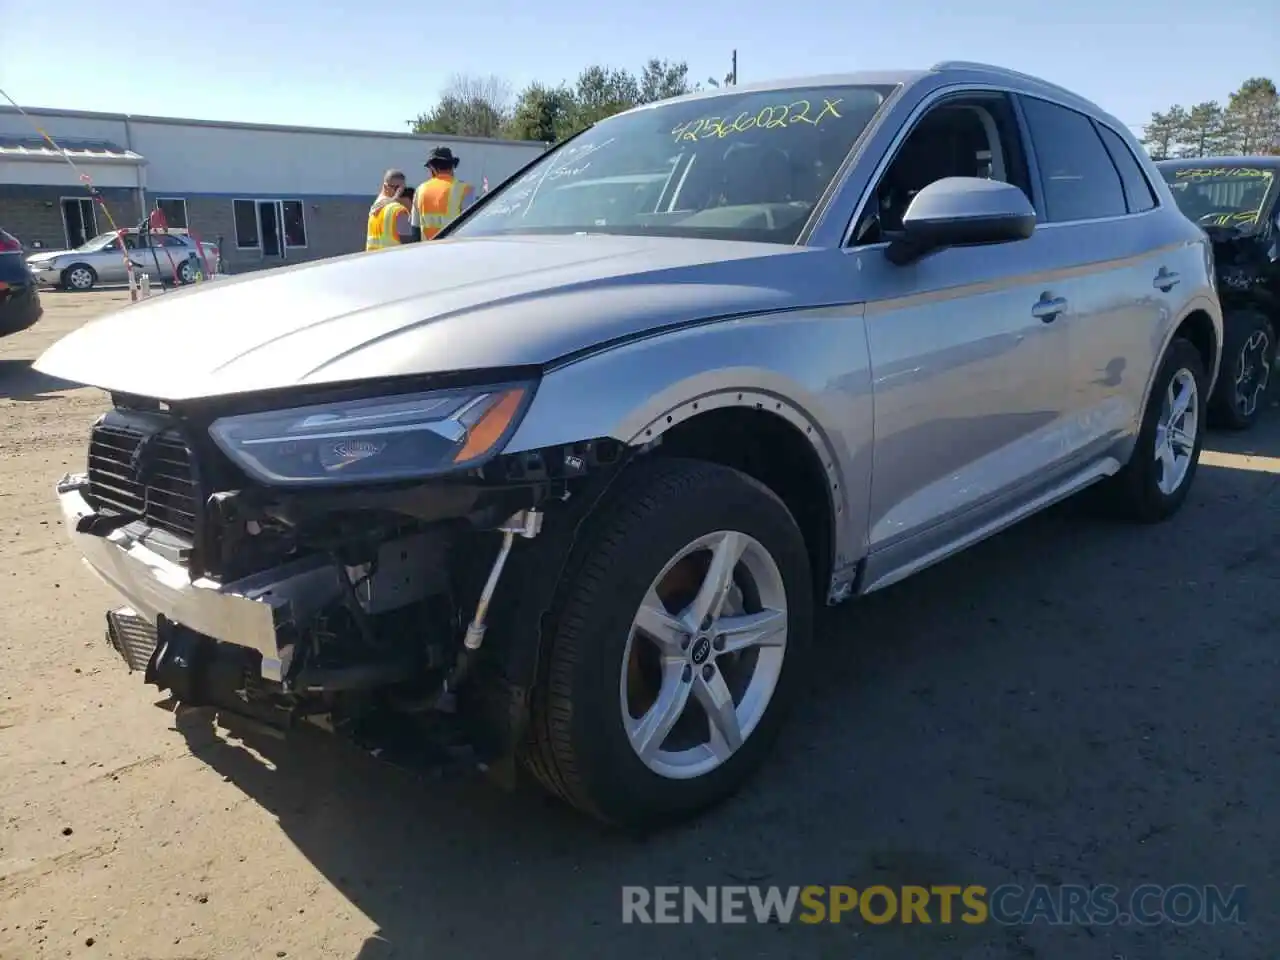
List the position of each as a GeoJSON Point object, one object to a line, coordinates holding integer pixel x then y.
{"type": "Point", "coordinates": [1048, 308]}
{"type": "Point", "coordinates": [1165, 281]}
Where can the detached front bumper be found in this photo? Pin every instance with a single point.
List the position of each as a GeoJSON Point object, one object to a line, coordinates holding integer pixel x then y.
{"type": "Point", "coordinates": [258, 612]}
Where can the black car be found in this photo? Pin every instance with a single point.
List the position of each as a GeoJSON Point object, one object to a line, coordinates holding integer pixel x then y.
{"type": "Point", "coordinates": [19, 300]}
{"type": "Point", "coordinates": [1236, 201]}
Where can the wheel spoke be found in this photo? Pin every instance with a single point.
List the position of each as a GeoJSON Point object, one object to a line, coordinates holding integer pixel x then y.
{"type": "Point", "coordinates": [725, 555]}
{"type": "Point", "coordinates": [764, 629]}
{"type": "Point", "coordinates": [1181, 403]}
{"type": "Point", "coordinates": [649, 734]}
{"type": "Point", "coordinates": [1181, 439]}
{"type": "Point", "coordinates": [658, 625]}
{"type": "Point", "coordinates": [722, 716]}
{"type": "Point", "coordinates": [1168, 463]}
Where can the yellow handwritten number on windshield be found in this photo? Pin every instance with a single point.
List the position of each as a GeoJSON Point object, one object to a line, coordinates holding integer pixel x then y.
{"type": "Point", "coordinates": [773, 117]}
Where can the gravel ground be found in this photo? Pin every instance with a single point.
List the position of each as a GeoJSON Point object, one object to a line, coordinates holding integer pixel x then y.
{"type": "Point", "coordinates": [1074, 702]}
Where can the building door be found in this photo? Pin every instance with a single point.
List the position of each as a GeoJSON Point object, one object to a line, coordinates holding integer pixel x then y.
{"type": "Point", "coordinates": [271, 225]}
{"type": "Point", "coordinates": [79, 220]}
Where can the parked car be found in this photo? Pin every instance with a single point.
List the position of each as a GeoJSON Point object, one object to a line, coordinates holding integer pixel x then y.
{"type": "Point", "coordinates": [162, 255]}
{"type": "Point", "coordinates": [19, 299]}
{"type": "Point", "coordinates": [571, 480]}
{"type": "Point", "coordinates": [1237, 202]}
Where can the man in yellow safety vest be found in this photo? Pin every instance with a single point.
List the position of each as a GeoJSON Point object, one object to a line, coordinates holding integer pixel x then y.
{"type": "Point", "coordinates": [389, 221]}
{"type": "Point", "coordinates": [441, 198]}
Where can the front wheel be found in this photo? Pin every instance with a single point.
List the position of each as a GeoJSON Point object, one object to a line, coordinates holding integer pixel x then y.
{"type": "Point", "coordinates": [676, 650]}
{"type": "Point", "coordinates": [1158, 476]}
{"type": "Point", "coordinates": [1248, 354]}
{"type": "Point", "coordinates": [79, 277]}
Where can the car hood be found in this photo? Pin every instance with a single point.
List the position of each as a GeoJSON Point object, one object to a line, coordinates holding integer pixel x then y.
{"type": "Point", "coordinates": [43, 256]}
{"type": "Point", "coordinates": [448, 305]}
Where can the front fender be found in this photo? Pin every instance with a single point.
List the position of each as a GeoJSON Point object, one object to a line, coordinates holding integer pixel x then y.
{"type": "Point", "coordinates": [810, 367]}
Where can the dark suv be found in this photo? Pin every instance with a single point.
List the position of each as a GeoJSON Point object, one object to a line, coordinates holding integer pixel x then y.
{"type": "Point", "coordinates": [19, 301]}
{"type": "Point", "coordinates": [1236, 201]}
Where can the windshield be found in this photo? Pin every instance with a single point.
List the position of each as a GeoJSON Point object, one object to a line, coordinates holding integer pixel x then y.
{"type": "Point", "coordinates": [97, 243]}
{"type": "Point", "coordinates": [748, 166]}
{"type": "Point", "coordinates": [1220, 196]}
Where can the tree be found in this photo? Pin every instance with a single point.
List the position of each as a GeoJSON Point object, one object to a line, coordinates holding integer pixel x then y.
{"type": "Point", "coordinates": [1204, 131]}
{"type": "Point", "coordinates": [469, 106]}
{"type": "Point", "coordinates": [1253, 117]}
{"type": "Point", "coordinates": [1249, 124]}
{"type": "Point", "coordinates": [662, 79]}
{"type": "Point", "coordinates": [484, 106]}
{"type": "Point", "coordinates": [543, 113]}
{"type": "Point", "coordinates": [603, 91]}
{"type": "Point", "coordinates": [1166, 132]}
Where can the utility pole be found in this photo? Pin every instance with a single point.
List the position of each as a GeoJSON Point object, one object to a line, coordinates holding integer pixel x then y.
{"type": "Point", "coordinates": [735, 68]}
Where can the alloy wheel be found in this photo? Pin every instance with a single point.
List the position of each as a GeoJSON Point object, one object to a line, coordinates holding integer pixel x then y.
{"type": "Point", "coordinates": [1176, 431]}
{"type": "Point", "coordinates": [704, 655]}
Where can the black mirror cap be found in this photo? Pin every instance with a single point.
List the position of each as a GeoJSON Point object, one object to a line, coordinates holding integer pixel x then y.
{"type": "Point", "coordinates": [963, 211]}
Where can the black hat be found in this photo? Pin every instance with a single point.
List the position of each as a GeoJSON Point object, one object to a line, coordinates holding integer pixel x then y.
{"type": "Point", "coordinates": [442, 156]}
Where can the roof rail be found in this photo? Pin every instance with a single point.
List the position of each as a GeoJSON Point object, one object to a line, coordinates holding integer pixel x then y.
{"type": "Point", "coordinates": [1003, 71]}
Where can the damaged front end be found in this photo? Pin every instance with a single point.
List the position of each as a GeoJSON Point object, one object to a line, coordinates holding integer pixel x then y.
{"type": "Point", "coordinates": [383, 606]}
{"type": "Point", "coordinates": [1246, 265]}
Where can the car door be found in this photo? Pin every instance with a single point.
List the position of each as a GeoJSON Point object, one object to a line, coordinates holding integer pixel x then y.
{"type": "Point", "coordinates": [969, 367]}
{"type": "Point", "coordinates": [108, 262]}
{"type": "Point", "coordinates": [1106, 228]}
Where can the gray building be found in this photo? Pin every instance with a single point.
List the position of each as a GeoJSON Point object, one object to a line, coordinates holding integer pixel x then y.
{"type": "Point", "coordinates": [268, 194]}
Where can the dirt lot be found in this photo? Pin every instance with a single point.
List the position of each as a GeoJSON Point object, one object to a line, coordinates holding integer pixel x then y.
{"type": "Point", "coordinates": [1072, 703]}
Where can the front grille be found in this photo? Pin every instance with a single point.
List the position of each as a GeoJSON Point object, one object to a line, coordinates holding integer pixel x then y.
{"type": "Point", "coordinates": [158, 487]}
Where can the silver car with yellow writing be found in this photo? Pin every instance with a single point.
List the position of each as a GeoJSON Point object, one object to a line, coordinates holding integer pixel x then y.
{"type": "Point", "coordinates": [570, 481]}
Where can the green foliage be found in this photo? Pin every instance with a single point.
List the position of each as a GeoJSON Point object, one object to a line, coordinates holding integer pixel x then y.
{"type": "Point", "coordinates": [484, 107]}
{"type": "Point", "coordinates": [1248, 124]}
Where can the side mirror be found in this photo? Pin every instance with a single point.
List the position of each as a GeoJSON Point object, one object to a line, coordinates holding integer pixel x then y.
{"type": "Point", "coordinates": [962, 212]}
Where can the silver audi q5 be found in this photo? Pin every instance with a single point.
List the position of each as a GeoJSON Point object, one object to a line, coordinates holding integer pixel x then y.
{"type": "Point", "coordinates": [568, 482]}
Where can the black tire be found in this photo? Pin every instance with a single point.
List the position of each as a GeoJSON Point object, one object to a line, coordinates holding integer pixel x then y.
{"type": "Point", "coordinates": [1248, 351]}
{"type": "Point", "coordinates": [1134, 494]}
{"type": "Point", "coordinates": [72, 277]}
{"type": "Point", "coordinates": [186, 273]}
{"type": "Point", "coordinates": [577, 746]}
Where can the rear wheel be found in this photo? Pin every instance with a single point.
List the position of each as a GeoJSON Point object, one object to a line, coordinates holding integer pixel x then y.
{"type": "Point", "coordinates": [1248, 355]}
{"type": "Point", "coordinates": [677, 649]}
{"type": "Point", "coordinates": [79, 276]}
{"type": "Point", "coordinates": [1158, 476]}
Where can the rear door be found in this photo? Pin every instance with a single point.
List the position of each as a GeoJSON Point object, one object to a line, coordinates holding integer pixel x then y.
{"type": "Point", "coordinates": [1100, 219]}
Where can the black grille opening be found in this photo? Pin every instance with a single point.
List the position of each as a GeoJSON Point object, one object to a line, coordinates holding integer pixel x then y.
{"type": "Point", "coordinates": [165, 495]}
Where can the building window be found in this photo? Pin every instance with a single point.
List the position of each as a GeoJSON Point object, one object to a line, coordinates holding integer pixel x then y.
{"type": "Point", "coordinates": [295, 223]}
{"type": "Point", "coordinates": [174, 210]}
{"type": "Point", "coordinates": [246, 217]}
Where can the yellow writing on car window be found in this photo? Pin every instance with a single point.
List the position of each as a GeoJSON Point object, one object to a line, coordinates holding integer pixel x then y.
{"type": "Point", "coordinates": [773, 117]}
{"type": "Point", "coordinates": [1204, 173]}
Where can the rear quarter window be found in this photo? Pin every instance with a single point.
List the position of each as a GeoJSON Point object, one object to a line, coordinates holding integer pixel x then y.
{"type": "Point", "coordinates": [1138, 194]}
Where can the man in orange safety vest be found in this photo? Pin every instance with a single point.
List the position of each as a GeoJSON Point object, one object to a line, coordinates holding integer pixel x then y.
{"type": "Point", "coordinates": [441, 198]}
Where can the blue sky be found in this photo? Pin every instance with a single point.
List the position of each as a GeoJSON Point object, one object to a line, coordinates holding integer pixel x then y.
{"type": "Point", "coordinates": [369, 65]}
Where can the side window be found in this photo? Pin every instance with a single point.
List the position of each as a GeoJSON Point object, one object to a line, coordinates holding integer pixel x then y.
{"type": "Point", "coordinates": [1076, 173]}
{"type": "Point", "coordinates": [972, 135]}
{"type": "Point", "coordinates": [1137, 189]}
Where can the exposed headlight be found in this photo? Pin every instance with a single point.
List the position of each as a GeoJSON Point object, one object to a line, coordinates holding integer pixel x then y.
{"type": "Point", "coordinates": [375, 439]}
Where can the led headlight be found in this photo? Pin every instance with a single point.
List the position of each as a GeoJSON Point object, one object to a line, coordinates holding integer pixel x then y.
{"type": "Point", "coordinates": [374, 439]}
